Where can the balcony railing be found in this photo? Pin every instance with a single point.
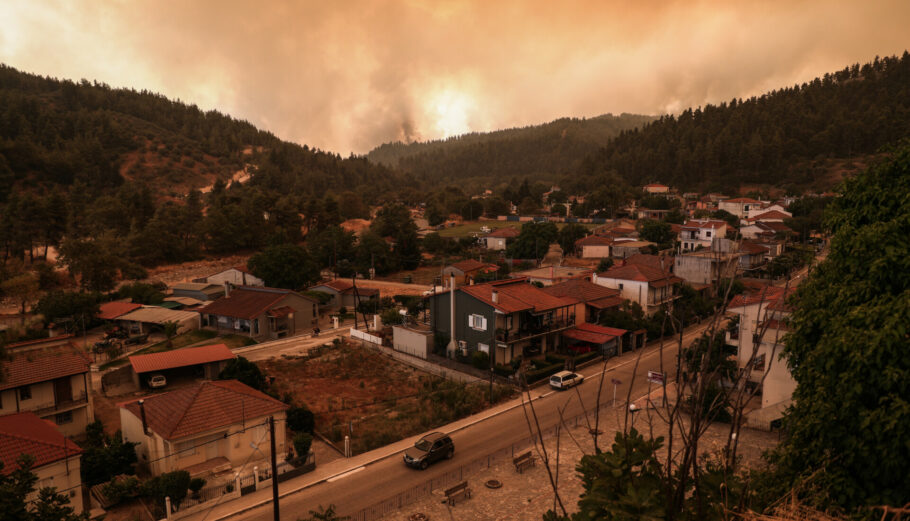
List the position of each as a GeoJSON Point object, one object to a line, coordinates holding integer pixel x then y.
{"type": "Point", "coordinates": [525, 333]}
{"type": "Point", "coordinates": [78, 399]}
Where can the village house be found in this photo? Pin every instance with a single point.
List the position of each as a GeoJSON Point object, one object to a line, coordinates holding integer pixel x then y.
{"type": "Point", "coordinates": [624, 249]}
{"type": "Point", "coordinates": [549, 275]}
{"type": "Point", "coordinates": [776, 214]}
{"type": "Point", "coordinates": [739, 206]}
{"type": "Point", "coordinates": [758, 337]}
{"type": "Point", "coordinates": [237, 275]}
{"type": "Point", "coordinates": [752, 255]}
{"type": "Point", "coordinates": [498, 239]}
{"type": "Point", "coordinates": [647, 286]}
{"type": "Point", "coordinates": [206, 428]}
{"type": "Point", "coordinates": [591, 299]}
{"type": "Point", "coordinates": [701, 233]}
{"type": "Point", "coordinates": [593, 247]}
{"type": "Point", "coordinates": [765, 229]}
{"type": "Point", "coordinates": [261, 313]}
{"type": "Point", "coordinates": [56, 459]}
{"type": "Point", "coordinates": [648, 213]}
{"type": "Point", "coordinates": [345, 294]}
{"type": "Point", "coordinates": [468, 270]}
{"type": "Point", "coordinates": [656, 188]}
{"type": "Point", "coordinates": [511, 317]}
{"type": "Point", "coordinates": [54, 385]}
{"type": "Point", "coordinates": [706, 266]}
{"type": "Point", "coordinates": [148, 318]}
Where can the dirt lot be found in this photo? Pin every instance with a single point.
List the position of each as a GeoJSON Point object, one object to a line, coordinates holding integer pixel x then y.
{"type": "Point", "coordinates": [351, 387]}
{"type": "Point", "coordinates": [186, 272]}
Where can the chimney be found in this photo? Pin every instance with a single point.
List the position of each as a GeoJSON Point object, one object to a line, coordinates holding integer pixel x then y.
{"type": "Point", "coordinates": [227, 289]}
{"type": "Point", "coordinates": [145, 426]}
{"type": "Point", "coordinates": [495, 296]}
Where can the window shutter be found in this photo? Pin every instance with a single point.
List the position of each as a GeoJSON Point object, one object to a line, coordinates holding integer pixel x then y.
{"type": "Point", "coordinates": [483, 323]}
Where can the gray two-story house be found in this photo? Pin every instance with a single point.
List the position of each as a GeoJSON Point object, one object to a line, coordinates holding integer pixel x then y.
{"type": "Point", "coordinates": [507, 319]}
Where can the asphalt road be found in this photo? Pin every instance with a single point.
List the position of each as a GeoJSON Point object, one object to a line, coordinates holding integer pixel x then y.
{"type": "Point", "coordinates": [385, 478]}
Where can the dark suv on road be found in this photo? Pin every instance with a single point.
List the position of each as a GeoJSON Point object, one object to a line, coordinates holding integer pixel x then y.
{"type": "Point", "coordinates": [429, 449]}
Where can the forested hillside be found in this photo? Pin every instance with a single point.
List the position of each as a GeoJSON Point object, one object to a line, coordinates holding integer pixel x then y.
{"type": "Point", "coordinates": [796, 136]}
{"type": "Point", "coordinates": [57, 133]}
{"type": "Point", "coordinates": [541, 152]}
{"type": "Point", "coordinates": [111, 176]}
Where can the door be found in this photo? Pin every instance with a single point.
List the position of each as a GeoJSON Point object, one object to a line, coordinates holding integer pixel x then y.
{"type": "Point", "coordinates": [63, 390]}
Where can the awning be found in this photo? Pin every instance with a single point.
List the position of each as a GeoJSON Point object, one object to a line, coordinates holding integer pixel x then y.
{"type": "Point", "coordinates": [605, 303]}
{"type": "Point", "coordinates": [594, 334]}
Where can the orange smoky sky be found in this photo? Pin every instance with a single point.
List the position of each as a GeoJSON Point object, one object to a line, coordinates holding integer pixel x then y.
{"type": "Point", "coordinates": [347, 76]}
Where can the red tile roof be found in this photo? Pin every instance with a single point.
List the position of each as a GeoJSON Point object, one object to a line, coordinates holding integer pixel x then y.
{"type": "Point", "coordinates": [594, 240]}
{"type": "Point", "coordinates": [180, 358]}
{"type": "Point", "coordinates": [593, 333]}
{"type": "Point", "coordinates": [248, 302]}
{"type": "Point", "coordinates": [752, 248]}
{"type": "Point", "coordinates": [641, 273]}
{"type": "Point", "coordinates": [516, 295]}
{"type": "Point", "coordinates": [580, 290]}
{"type": "Point", "coordinates": [469, 265]}
{"type": "Point", "coordinates": [656, 185]}
{"type": "Point", "coordinates": [204, 407]}
{"type": "Point", "coordinates": [653, 261]}
{"type": "Point", "coordinates": [25, 433]}
{"type": "Point", "coordinates": [606, 303]}
{"type": "Point", "coordinates": [773, 214]}
{"type": "Point", "coordinates": [742, 200]}
{"type": "Point", "coordinates": [31, 368]}
{"type": "Point", "coordinates": [507, 232]}
{"type": "Point", "coordinates": [766, 294]}
{"type": "Point", "coordinates": [112, 310]}
{"type": "Point", "coordinates": [694, 225]}
{"type": "Point", "coordinates": [346, 287]}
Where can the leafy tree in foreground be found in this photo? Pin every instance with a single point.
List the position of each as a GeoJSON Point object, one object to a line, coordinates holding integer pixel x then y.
{"type": "Point", "coordinates": [847, 350]}
{"type": "Point", "coordinates": [247, 372]}
{"type": "Point", "coordinates": [105, 456]}
{"type": "Point", "coordinates": [16, 485]}
{"type": "Point", "coordinates": [569, 234]}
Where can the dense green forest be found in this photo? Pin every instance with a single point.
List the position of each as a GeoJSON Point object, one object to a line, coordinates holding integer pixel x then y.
{"type": "Point", "coordinates": [110, 177]}
{"type": "Point", "coordinates": [482, 160]}
{"type": "Point", "coordinates": [789, 137]}
{"type": "Point", "coordinates": [60, 133]}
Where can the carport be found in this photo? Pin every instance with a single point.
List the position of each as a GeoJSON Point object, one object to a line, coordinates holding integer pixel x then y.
{"type": "Point", "coordinates": [148, 316]}
{"type": "Point", "coordinates": [590, 337]}
{"type": "Point", "coordinates": [181, 365]}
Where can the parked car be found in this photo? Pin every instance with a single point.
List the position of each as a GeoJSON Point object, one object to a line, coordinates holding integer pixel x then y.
{"type": "Point", "coordinates": [565, 379]}
{"type": "Point", "coordinates": [429, 449]}
{"type": "Point", "coordinates": [157, 380]}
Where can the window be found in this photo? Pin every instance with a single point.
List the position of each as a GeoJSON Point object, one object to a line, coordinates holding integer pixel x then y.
{"type": "Point", "coordinates": [477, 322]}
{"type": "Point", "coordinates": [759, 363]}
{"type": "Point", "coordinates": [64, 418]}
{"type": "Point", "coordinates": [25, 393]}
{"type": "Point", "coordinates": [620, 285]}
{"type": "Point", "coordinates": [708, 233]}
{"type": "Point", "coordinates": [185, 449]}
{"type": "Point", "coordinates": [484, 348]}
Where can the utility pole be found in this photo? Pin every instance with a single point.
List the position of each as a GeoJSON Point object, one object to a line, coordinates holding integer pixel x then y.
{"type": "Point", "coordinates": [274, 469]}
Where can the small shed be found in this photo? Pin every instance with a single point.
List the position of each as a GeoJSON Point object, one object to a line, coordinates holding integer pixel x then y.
{"type": "Point", "coordinates": [413, 340]}
{"type": "Point", "coordinates": [190, 363]}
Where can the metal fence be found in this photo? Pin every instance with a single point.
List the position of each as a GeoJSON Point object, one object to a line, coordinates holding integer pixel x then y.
{"type": "Point", "coordinates": [205, 494]}
{"type": "Point", "coordinates": [455, 476]}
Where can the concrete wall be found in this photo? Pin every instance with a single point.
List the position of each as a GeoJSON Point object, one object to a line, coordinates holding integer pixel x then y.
{"type": "Point", "coordinates": [595, 251]}
{"type": "Point", "coordinates": [44, 403]}
{"type": "Point", "coordinates": [415, 343]}
{"type": "Point", "coordinates": [64, 476]}
{"type": "Point", "coordinates": [495, 243]}
{"type": "Point", "coordinates": [465, 306]}
{"type": "Point", "coordinates": [628, 289]}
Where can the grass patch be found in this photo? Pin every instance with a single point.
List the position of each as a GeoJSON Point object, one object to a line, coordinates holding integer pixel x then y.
{"type": "Point", "coordinates": [182, 340]}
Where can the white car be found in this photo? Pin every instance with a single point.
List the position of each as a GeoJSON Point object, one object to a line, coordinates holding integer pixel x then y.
{"type": "Point", "coordinates": [565, 379]}
{"type": "Point", "coordinates": [157, 380]}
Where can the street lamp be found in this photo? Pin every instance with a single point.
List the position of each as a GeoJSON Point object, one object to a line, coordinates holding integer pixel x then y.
{"type": "Point", "coordinates": [632, 410]}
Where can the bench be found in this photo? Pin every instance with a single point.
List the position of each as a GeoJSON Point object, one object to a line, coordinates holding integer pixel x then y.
{"type": "Point", "coordinates": [522, 461]}
{"type": "Point", "coordinates": [460, 490]}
